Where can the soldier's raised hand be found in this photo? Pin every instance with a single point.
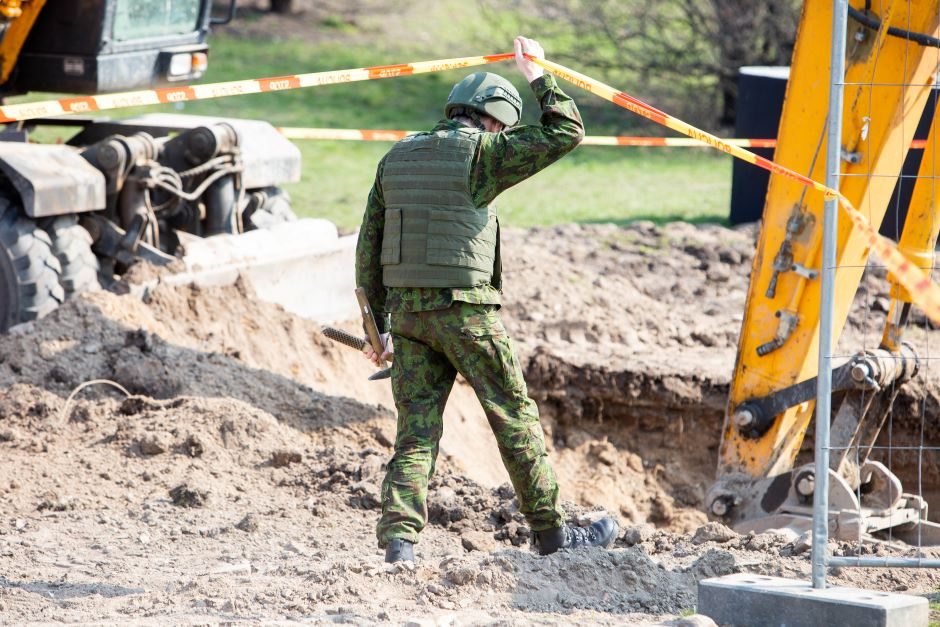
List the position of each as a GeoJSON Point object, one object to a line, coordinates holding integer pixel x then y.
{"type": "Point", "coordinates": [529, 69]}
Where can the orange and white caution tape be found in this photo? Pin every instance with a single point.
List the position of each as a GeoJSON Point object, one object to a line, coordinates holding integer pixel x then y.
{"type": "Point", "coordinates": [380, 135]}
{"type": "Point", "coordinates": [88, 104]}
{"type": "Point", "coordinates": [924, 292]}
{"type": "Point", "coordinates": [651, 113]}
{"type": "Point", "coordinates": [590, 140]}
{"type": "Point", "coordinates": [346, 134]}
{"type": "Point", "coordinates": [668, 142]}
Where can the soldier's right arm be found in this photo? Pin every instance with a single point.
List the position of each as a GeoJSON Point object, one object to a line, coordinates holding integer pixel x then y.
{"type": "Point", "coordinates": [369, 249]}
{"type": "Point", "coordinates": [509, 157]}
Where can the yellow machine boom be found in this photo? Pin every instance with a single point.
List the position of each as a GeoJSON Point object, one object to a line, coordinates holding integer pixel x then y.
{"type": "Point", "coordinates": [16, 20]}
{"type": "Point", "coordinates": [887, 83]}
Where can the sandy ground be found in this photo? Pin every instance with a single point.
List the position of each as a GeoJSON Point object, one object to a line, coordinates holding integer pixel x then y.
{"type": "Point", "coordinates": [239, 480]}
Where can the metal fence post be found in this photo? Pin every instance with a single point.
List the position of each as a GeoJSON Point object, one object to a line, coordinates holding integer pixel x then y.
{"type": "Point", "coordinates": [830, 225]}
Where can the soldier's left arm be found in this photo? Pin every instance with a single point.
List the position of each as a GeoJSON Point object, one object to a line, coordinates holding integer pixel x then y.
{"type": "Point", "coordinates": [369, 250]}
{"type": "Point", "coordinates": [509, 157]}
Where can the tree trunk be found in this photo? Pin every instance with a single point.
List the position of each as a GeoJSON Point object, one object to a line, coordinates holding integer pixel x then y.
{"type": "Point", "coordinates": [729, 101]}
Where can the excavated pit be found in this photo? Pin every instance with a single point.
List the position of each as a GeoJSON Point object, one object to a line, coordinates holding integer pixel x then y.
{"type": "Point", "coordinates": [241, 478]}
{"type": "Point", "coordinates": [632, 336]}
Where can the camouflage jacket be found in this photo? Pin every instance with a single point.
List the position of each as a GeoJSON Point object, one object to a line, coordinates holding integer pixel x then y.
{"type": "Point", "coordinates": [502, 160]}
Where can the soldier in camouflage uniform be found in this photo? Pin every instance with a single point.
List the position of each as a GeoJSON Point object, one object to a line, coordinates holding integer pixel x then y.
{"type": "Point", "coordinates": [428, 250]}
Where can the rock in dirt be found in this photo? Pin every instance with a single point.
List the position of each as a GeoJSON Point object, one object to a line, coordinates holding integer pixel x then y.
{"type": "Point", "coordinates": [55, 503]}
{"type": "Point", "coordinates": [151, 445]}
{"type": "Point", "coordinates": [192, 446]}
{"type": "Point", "coordinates": [713, 532]}
{"type": "Point", "coordinates": [283, 458]}
{"type": "Point", "coordinates": [802, 544]}
{"type": "Point", "coordinates": [248, 524]}
{"type": "Point", "coordinates": [139, 338]}
{"type": "Point", "coordinates": [478, 541]}
{"type": "Point", "coordinates": [459, 572]}
{"type": "Point", "coordinates": [638, 534]}
{"type": "Point", "coordinates": [769, 540]}
{"type": "Point", "coordinates": [184, 496]}
{"type": "Point", "coordinates": [446, 497]}
{"type": "Point", "coordinates": [144, 373]}
{"type": "Point", "coordinates": [365, 495]}
{"type": "Point", "coordinates": [785, 534]}
{"type": "Point", "coordinates": [715, 563]}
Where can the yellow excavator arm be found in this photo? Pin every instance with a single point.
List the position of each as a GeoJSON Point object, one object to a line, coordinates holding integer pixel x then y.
{"type": "Point", "coordinates": [887, 83]}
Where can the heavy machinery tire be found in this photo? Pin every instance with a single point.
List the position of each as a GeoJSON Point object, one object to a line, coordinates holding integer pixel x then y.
{"type": "Point", "coordinates": [29, 270]}
{"type": "Point", "coordinates": [273, 208]}
{"type": "Point", "coordinates": [71, 245]}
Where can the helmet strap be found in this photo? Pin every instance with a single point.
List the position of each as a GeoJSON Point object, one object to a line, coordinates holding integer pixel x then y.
{"type": "Point", "coordinates": [467, 112]}
{"type": "Point", "coordinates": [476, 120]}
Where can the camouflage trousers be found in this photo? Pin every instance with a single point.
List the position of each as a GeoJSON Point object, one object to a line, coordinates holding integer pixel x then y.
{"type": "Point", "coordinates": [431, 347]}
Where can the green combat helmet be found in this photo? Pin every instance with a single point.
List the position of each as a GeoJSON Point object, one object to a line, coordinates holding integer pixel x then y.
{"type": "Point", "coordinates": [487, 93]}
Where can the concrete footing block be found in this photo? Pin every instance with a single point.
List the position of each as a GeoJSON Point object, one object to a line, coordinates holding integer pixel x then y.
{"type": "Point", "coordinates": [758, 601]}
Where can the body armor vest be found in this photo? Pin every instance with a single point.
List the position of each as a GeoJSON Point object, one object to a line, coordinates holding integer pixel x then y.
{"type": "Point", "coordinates": [434, 234]}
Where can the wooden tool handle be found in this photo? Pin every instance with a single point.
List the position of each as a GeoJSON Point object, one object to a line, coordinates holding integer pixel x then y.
{"type": "Point", "coordinates": [368, 321]}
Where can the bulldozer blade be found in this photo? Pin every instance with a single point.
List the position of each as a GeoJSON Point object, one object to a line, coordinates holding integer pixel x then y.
{"type": "Point", "coordinates": [920, 533]}
{"type": "Point", "coordinates": [852, 514]}
{"type": "Point", "coordinates": [305, 266]}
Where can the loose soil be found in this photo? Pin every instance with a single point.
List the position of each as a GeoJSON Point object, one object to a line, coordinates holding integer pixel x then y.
{"type": "Point", "coordinates": [235, 475]}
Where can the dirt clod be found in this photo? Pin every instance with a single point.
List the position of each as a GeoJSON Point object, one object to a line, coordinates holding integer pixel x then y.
{"type": "Point", "coordinates": [193, 446]}
{"type": "Point", "coordinates": [637, 533]}
{"type": "Point", "coordinates": [282, 458]}
{"type": "Point", "coordinates": [248, 524]}
{"type": "Point", "coordinates": [478, 541]}
{"type": "Point", "coordinates": [55, 503]}
{"type": "Point", "coordinates": [152, 445]}
{"type": "Point", "coordinates": [184, 496]}
{"type": "Point", "coordinates": [713, 532]}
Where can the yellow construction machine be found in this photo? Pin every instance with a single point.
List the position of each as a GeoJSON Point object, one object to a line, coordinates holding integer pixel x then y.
{"type": "Point", "coordinates": [892, 59]}
{"type": "Point", "coordinates": [74, 216]}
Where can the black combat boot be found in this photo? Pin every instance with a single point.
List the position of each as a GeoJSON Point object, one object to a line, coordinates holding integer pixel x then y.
{"type": "Point", "coordinates": [600, 533]}
{"type": "Point", "coordinates": [399, 550]}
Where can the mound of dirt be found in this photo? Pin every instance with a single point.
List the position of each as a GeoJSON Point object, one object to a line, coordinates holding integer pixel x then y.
{"type": "Point", "coordinates": [226, 463]}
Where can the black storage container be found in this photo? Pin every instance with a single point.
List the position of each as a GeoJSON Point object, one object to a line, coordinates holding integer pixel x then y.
{"type": "Point", "coordinates": [761, 90]}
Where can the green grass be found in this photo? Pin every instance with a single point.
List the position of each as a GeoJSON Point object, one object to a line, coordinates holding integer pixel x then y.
{"type": "Point", "coordinates": [594, 184]}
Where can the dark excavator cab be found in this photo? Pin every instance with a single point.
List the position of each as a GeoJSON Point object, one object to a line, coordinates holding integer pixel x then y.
{"type": "Point", "coordinates": [100, 46]}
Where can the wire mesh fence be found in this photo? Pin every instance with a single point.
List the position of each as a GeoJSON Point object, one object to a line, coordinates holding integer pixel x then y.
{"type": "Point", "coordinates": [877, 461]}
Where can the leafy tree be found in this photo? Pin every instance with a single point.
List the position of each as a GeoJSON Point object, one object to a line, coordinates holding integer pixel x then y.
{"type": "Point", "coordinates": [683, 53]}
